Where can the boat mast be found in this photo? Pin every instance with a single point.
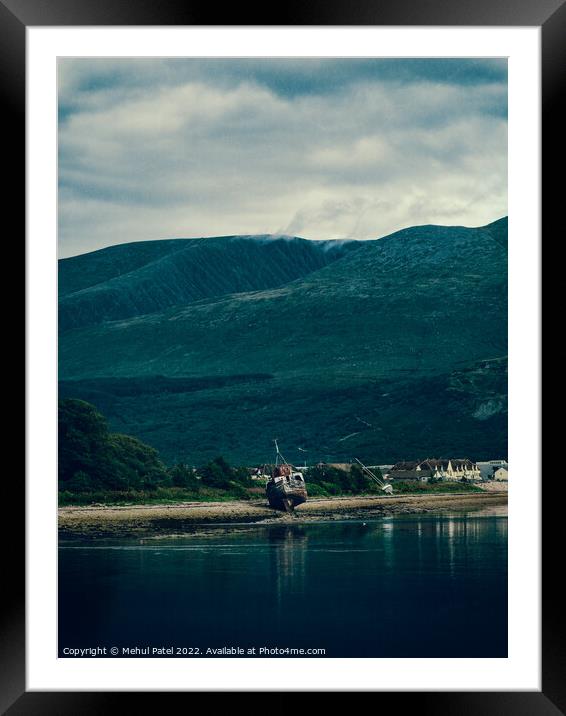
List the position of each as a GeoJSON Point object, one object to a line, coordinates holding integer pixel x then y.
{"type": "Point", "coordinates": [278, 455]}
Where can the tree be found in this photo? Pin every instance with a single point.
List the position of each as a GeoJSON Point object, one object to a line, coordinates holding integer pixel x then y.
{"type": "Point", "coordinates": [135, 465]}
{"type": "Point", "coordinates": [79, 482]}
{"type": "Point", "coordinates": [92, 458]}
{"type": "Point", "coordinates": [359, 480]}
{"type": "Point", "coordinates": [362, 482]}
{"type": "Point", "coordinates": [83, 434]}
{"type": "Point", "coordinates": [217, 473]}
{"type": "Point", "coordinates": [331, 478]}
{"type": "Point", "coordinates": [183, 476]}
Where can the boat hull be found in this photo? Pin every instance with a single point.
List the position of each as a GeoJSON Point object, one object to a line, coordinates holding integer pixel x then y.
{"type": "Point", "coordinates": [284, 496]}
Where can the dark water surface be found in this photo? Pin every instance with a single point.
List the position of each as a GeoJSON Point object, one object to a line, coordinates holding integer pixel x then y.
{"type": "Point", "coordinates": [408, 586]}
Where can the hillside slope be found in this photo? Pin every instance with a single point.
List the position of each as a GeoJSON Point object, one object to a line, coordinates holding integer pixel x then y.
{"type": "Point", "coordinates": [136, 279]}
{"type": "Point", "coordinates": [395, 349]}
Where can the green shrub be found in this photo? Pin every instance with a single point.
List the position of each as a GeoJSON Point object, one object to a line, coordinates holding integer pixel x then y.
{"type": "Point", "coordinates": [315, 490]}
{"type": "Point", "coordinates": [183, 476]}
{"type": "Point", "coordinates": [439, 486]}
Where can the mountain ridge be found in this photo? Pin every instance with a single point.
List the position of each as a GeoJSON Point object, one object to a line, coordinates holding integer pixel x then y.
{"type": "Point", "coordinates": [181, 271]}
{"type": "Point", "coordinates": [420, 316]}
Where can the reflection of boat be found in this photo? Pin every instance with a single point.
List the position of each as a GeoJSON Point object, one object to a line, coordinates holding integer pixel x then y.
{"type": "Point", "coordinates": [288, 556]}
{"type": "Point", "coordinates": [285, 487]}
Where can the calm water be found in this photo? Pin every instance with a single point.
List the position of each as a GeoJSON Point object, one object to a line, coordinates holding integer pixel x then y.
{"type": "Point", "coordinates": [411, 586]}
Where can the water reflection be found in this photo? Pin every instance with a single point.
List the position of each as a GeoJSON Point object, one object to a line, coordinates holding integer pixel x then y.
{"type": "Point", "coordinates": [389, 547]}
{"type": "Point", "coordinates": [409, 586]}
{"type": "Point", "coordinates": [288, 556]}
{"type": "Point", "coordinates": [429, 544]}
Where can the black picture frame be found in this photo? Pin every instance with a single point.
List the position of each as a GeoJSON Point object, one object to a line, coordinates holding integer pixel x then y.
{"type": "Point", "coordinates": [15, 17]}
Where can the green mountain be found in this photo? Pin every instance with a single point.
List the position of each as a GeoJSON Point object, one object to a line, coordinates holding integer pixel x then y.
{"type": "Point", "coordinates": [140, 278]}
{"type": "Point", "coordinates": [383, 350]}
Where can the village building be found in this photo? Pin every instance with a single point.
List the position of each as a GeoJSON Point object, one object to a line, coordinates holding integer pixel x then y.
{"type": "Point", "coordinates": [488, 467]}
{"type": "Point", "coordinates": [500, 474]}
{"type": "Point", "coordinates": [444, 469]}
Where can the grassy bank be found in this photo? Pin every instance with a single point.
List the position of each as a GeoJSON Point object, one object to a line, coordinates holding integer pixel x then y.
{"type": "Point", "coordinates": [158, 496]}
{"type": "Point", "coordinates": [176, 495]}
{"type": "Point", "coordinates": [436, 488]}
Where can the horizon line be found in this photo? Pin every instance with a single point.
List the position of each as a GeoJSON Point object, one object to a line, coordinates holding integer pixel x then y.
{"type": "Point", "coordinates": [275, 236]}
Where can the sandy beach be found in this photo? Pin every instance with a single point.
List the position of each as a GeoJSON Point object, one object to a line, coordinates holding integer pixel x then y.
{"type": "Point", "coordinates": [152, 520]}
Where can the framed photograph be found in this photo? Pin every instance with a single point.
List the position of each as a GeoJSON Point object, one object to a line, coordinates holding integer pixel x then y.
{"type": "Point", "coordinates": [283, 355]}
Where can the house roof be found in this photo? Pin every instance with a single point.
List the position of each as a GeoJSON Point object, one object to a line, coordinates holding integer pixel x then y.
{"type": "Point", "coordinates": [412, 465]}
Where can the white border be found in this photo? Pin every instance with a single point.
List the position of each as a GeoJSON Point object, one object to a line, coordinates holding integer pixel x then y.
{"type": "Point", "coordinates": [521, 671]}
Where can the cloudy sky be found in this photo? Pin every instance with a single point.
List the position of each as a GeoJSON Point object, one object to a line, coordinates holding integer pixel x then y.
{"type": "Point", "coordinates": [161, 148]}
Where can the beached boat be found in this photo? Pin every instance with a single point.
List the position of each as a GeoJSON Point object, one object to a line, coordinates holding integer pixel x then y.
{"type": "Point", "coordinates": [285, 486]}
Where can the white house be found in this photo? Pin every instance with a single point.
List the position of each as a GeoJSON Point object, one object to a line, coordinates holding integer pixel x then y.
{"type": "Point", "coordinates": [488, 466]}
{"type": "Point", "coordinates": [501, 474]}
{"type": "Point", "coordinates": [444, 469]}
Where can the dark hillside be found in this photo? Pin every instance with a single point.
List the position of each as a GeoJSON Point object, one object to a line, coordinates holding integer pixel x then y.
{"type": "Point", "coordinates": [407, 333]}
{"type": "Point", "coordinates": [137, 279]}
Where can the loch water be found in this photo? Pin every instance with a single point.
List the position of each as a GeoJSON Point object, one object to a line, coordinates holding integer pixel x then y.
{"type": "Point", "coordinates": [431, 585]}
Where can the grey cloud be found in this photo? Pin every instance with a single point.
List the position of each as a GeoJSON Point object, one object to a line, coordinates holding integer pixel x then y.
{"type": "Point", "coordinates": [159, 149]}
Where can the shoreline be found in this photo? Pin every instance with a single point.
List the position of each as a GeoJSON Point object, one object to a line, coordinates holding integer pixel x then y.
{"type": "Point", "coordinates": [102, 522]}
